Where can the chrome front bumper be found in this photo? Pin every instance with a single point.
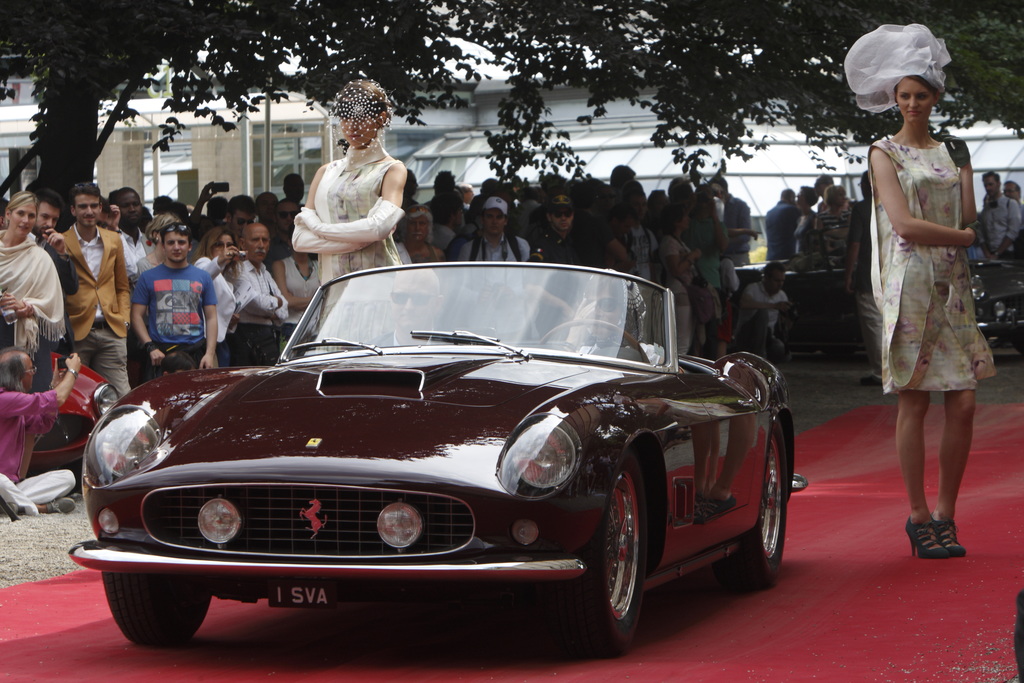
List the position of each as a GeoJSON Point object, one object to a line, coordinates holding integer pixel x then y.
{"type": "Point", "coordinates": [110, 558]}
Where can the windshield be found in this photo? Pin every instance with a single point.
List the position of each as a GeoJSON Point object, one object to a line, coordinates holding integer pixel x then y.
{"type": "Point", "coordinates": [513, 309]}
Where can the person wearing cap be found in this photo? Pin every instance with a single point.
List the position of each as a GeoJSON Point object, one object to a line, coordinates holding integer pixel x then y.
{"type": "Point", "coordinates": [552, 243]}
{"type": "Point", "coordinates": [923, 221]}
{"type": "Point", "coordinates": [416, 246]}
{"type": "Point", "coordinates": [182, 306]}
{"type": "Point", "coordinates": [491, 242]}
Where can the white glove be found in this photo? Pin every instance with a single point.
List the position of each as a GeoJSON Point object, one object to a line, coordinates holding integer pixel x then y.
{"type": "Point", "coordinates": [378, 224]}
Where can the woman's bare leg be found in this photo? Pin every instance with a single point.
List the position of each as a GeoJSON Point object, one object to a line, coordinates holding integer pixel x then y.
{"type": "Point", "coordinates": [956, 444]}
{"type": "Point", "coordinates": [913, 406]}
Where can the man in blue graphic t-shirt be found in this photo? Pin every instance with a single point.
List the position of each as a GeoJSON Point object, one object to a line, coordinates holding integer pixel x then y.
{"type": "Point", "coordinates": [181, 305]}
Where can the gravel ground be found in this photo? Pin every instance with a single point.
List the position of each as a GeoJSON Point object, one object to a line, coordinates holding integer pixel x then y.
{"type": "Point", "coordinates": [821, 388]}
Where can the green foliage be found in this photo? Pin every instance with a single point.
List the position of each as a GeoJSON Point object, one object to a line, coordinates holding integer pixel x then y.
{"type": "Point", "coordinates": [706, 69]}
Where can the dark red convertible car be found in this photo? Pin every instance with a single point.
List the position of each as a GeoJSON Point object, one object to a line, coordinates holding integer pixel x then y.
{"type": "Point", "coordinates": [446, 431]}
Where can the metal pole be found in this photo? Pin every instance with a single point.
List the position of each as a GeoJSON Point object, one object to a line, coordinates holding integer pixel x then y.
{"type": "Point", "coordinates": [246, 130]}
{"type": "Point", "coordinates": [266, 143]}
{"type": "Point", "coordinates": [156, 172]}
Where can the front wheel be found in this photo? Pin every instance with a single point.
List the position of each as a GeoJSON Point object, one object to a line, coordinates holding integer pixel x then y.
{"type": "Point", "coordinates": [596, 615]}
{"type": "Point", "coordinates": [757, 563]}
{"type": "Point", "coordinates": [155, 610]}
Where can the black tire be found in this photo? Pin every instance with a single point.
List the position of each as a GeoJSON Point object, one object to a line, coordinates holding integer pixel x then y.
{"type": "Point", "coordinates": [596, 615]}
{"type": "Point", "coordinates": [155, 610]}
{"type": "Point", "coordinates": [757, 563]}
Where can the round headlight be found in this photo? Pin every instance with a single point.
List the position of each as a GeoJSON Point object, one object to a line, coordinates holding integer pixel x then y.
{"type": "Point", "coordinates": [525, 531]}
{"type": "Point", "coordinates": [400, 525]}
{"type": "Point", "coordinates": [540, 456]}
{"type": "Point", "coordinates": [108, 521]}
{"type": "Point", "coordinates": [104, 398]}
{"type": "Point", "coordinates": [977, 287]}
{"type": "Point", "coordinates": [219, 520]}
{"type": "Point", "coordinates": [121, 442]}
{"type": "Point", "coordinates": [999, 309]}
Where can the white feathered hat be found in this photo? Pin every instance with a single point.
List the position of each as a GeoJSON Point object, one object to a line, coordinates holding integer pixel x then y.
{"type": "Point", "coordinates": [879, 60]}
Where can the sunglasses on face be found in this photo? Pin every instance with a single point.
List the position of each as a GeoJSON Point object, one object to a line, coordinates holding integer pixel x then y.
{"type": "Point", "coordinates": [223, 245]}
{"type": "Point", "coordinates": [402, 298]}
{"type": "Point", "coordinates": [244, 221]}
{"type": "Point", "coordinates": [287, 214]}
{"type": "Point", "coordinates": [561, 214]}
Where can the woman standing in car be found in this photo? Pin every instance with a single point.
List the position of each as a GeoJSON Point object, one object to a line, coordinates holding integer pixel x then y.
{"type": "Point", "coordinates": [357, 199]}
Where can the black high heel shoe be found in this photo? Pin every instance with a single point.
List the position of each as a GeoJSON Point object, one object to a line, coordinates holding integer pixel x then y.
{"type": "Point", "coordinates": [945, 534]}
{"type": "Point", "coordinates": [924, 542]}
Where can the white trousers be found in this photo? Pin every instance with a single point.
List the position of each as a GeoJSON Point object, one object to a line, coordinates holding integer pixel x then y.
{"type": "Point", "coordinates": [871, 329]}
{"type": "Point", "coordinates": [40, 489]}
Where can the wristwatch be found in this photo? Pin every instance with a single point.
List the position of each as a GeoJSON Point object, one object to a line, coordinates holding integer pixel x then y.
{"type": "Point", "coordinates": [73, 373]}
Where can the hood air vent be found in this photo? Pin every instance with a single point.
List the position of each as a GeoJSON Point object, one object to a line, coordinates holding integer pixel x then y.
{"type": "Point", "coordinates": [363, 382]}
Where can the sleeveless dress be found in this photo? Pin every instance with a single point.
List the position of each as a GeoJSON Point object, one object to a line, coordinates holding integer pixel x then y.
{"type": "Point", "coordinates": [299, 286]}
{"type": "Point", "coordinates": [350, 197]}
{"type": "Point", "coordinates": [930, 336]}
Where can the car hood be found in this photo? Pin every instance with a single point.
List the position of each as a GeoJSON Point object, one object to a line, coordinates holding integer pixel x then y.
{"type": "Point", "coordinates": [374, 412]}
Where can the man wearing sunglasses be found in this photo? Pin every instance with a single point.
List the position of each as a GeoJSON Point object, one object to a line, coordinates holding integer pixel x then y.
{"type": "Point", "coordinates": [552, 243]}
{"type": "Point", "coordinates": [281, 240]}
{"type": "Point", "coordinates": [174, 306]}
{"type": "Point", "coordinates": [241, 212]}
{"type": "Point", "coordinates": [100, 309]}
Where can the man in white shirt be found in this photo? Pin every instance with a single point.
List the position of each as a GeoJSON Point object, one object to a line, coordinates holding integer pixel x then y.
{"type": "Point", "coordinates": [132, 227]}
{"type": "Point", "coordinates": [1000, 219]}
{"type": "Point", "coordinates": [759, 330]}
{"type": "Point", "coordinates": [99, 311]}
{"type": "Point", "coordinates": [492, 243]}
{"type": "Point", "coordinates": [262, 307]}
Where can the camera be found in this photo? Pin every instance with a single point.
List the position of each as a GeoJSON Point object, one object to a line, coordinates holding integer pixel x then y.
{"type": "Point", "coordinates": [240, 256]}
{"type": "Point", "coordinates": [62, 363]}
{"type": "Point", "coordinates": [221, 187]}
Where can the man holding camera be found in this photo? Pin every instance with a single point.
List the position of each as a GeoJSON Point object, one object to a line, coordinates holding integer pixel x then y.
{"type": "Point", "coordinates": [22, 413]}
{"type": "Point", "coordinates": [181, 304]}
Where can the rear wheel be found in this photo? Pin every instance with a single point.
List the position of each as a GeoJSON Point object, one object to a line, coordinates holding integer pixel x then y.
{"type": "Point", "coordinates": [596, 615]}
{"type": "Point", "coordinates": [757, 562]}
{"type": "Point", "coordinates": [155, 610]}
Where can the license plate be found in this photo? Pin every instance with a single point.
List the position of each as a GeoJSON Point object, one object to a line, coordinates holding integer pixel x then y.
{"type": "Point", "coordinates": [318, 594]}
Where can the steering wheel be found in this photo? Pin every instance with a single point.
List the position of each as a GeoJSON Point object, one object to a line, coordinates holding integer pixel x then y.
{"type": "Point", "coordinates": [631, 342]}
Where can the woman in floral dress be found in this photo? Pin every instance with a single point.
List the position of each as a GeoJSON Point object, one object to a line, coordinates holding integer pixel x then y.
{"type": "Point", "coordinates": [923, 222]}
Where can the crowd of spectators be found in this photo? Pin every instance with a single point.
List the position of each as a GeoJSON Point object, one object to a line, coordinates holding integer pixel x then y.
{"type": "Point", "coordinates": [239, 250]}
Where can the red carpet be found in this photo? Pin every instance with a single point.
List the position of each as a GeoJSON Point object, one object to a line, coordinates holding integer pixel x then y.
{"type": "Point", "coordinates": [852, 604]}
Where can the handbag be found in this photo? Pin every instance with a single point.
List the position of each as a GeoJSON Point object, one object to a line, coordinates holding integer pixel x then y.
{"type": "Point", "coordinates": [702, 299]}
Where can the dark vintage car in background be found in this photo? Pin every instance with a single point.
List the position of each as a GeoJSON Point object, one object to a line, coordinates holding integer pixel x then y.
{"type": "Point", "coordinates": [446, 431]}
{"type": "Point", "coordinates": [826, 317]}
{"type": "Point", "coordinates": [62, 446]}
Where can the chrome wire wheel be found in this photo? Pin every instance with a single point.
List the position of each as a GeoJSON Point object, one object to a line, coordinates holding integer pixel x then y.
{"type": "Point", "coordinates": [771, 499]}
{"type": "Point", "coordinates": [622, 549]}
{"type": "Point", "coordinates": [756, 563]}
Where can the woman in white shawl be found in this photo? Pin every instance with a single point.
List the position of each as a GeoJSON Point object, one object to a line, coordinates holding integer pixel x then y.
{"type": "Point", "coordinates": [31, 289]}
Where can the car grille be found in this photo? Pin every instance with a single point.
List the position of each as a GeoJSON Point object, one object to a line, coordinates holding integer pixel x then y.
{"type": "Point", "coordinates": [272, 523]}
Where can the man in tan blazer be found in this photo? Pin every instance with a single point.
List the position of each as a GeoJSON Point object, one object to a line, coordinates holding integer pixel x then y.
{"type": "Point", "coordinates": [101, 308]}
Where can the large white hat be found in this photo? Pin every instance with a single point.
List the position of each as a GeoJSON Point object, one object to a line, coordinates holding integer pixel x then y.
{"type": "Point", "coordinates": [879, 60]}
